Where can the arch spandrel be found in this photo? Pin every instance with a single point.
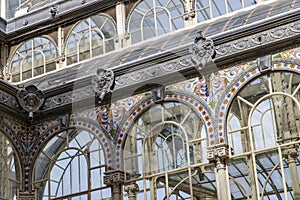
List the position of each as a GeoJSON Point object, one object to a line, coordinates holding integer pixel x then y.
{"type": "Point", "coordinates": [193, 102]}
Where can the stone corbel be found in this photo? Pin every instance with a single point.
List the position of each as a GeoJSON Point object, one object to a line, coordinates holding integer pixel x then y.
{"type": "Point", "coordinates": [104, 82]}
{"type": "Point", "coordinates": [203, 51]}
{"type": "Point", "coordinates": [30, 99]}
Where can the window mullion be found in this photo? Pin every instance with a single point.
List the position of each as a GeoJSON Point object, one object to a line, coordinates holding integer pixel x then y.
{"type": "Point", "coordinates": [32, 58]}
{"type": "Point", "coordinates": [90, 39]}
{"type": "Point", "coordinates": [155, 18]}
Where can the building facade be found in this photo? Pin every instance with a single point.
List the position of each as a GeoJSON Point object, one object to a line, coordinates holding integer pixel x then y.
{"type": "Point", "coordinates": [150, 99]}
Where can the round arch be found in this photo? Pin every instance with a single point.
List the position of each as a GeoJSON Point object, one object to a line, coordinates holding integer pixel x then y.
{"type": "Point", "coordinates": [229, 94]}
{"type": "Point", "coordinates": [198, 105]}
{"type": "Point", "coordinates": [105, 29]}
{"type": "Point", "coordinates": [150, 6]}
{"type": "Point", "coordinates": [80, 132]}
{"type": "Point", "coordinates": [43, 51]}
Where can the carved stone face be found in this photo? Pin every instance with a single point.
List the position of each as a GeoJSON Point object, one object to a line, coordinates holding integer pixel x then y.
{"type": "Point", "coordinates": [31, 99]}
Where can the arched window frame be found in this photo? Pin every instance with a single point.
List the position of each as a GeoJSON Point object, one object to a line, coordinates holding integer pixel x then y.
{"type": "Point", "coordinates": [209, 9]}
{"type": "Point", "coordinates": [76, 53]}
{"type": "Point", "coordinates": [95, 188]}
{"type": "Point", "coordinates": [47, 63]}
{"type": "Point", "coordinates": [197, 172]}
{"type": "Point", "coordinates": [267, 163]}
{"type": "Point", "coordinates": [144, 14]}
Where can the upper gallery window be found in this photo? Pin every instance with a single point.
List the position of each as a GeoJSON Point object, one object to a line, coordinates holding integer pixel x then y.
{"type": "Point", "coordinates": [33, 57]}
{"type": "Point", "coordinates": [90, 37]}
{"type": "Point", "coordinates": [151, 18]}
{"type": "Point", "coordinates": [207, 9]}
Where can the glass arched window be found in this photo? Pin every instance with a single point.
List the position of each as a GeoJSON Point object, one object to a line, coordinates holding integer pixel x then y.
{"type": "Point", "coordinates": [207, 9]}
{"type": "Point", "coordinates": [151, 18]}
{"type": "Point", "coordinates": [263, 131]}
{"type": "Point", "coordinates": [90, 37]}
{"type": "Point", "coordinates": [165, 154]}
{"type": "Point", "coordinates": [9, 170]}
{"type": "Point", "coordinates": [71, 165]}
{"type": "Point", "coordinates": [33, 57]}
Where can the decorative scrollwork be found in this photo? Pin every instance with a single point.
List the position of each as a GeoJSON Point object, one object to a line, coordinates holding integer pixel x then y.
{"type": "Point", "coordinates": [203, 50]}
{"type": "Point", "coordinates": [30, 99]}
{"type": "Point", "coordinates": [104, 82]}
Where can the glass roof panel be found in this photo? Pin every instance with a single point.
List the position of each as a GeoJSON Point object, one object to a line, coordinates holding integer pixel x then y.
{"type": "Point", "coordinates": [216, 27]}
{"type": "Point", "coordinates": [237, 21]}
{"type": "Point", "coordinates": [259, 14]}
{"type": "Point", "coordinates": [297, 4]}
{"type": "Point", "coordinates": [280, 7]}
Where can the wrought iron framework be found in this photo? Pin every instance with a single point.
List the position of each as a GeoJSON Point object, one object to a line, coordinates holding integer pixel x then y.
{"type": "Point", "coordinates": [185, 115]}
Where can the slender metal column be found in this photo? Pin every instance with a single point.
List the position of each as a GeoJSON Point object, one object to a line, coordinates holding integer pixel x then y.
{"type": "Point", "coordinates": [219, 154]}
{"type": "Point", "coordinates": [222, 184]}
{"type": "Point", "coordinates": [291, 155]}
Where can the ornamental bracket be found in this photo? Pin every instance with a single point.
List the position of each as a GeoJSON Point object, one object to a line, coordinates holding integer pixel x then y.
{"type": "Point", "coordinates": [103, 82]}
{"type": "Point", "coordinates": [203, 51]}
{"type": "Point", "coordinates": [30, 99]}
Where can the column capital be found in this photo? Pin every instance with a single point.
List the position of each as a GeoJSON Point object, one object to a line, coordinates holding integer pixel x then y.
{"type": "Point", "coordinates": [114, 177]}
{"type": "Point", "coordinates": [218, 152]}
{"type": "Point", "coordinates": [290, 151]}
{"type": "Point", "coordinates": [131, 189]}
{"type": "Point", "coordinates": [27, 195]}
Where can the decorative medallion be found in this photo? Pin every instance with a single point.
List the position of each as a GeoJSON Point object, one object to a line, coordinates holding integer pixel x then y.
{"type": "Point", "coordinates": [30, 99]}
